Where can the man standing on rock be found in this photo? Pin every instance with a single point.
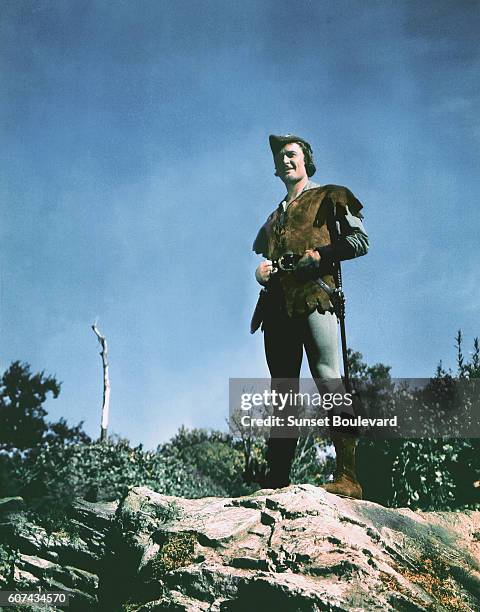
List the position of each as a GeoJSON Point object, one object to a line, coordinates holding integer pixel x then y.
{"type": "Point", "coordinates": [298, 238]}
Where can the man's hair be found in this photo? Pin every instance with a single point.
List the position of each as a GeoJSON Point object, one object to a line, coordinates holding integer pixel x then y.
{"type": "Point", "coordinates": [309, 162]}
{"type": "Point", "coordinates": [307, 154]}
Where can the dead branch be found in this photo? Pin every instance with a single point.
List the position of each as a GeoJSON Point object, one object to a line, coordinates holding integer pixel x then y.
{"type": "Point", "coordinates": [106, 383]}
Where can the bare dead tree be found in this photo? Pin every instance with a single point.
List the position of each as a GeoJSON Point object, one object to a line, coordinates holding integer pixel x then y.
{"type": "Point", "coordinates": [106, 383]}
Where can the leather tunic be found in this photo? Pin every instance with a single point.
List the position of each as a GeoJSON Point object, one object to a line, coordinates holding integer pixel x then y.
{"type": "Point", "coordinates": [304, 225]}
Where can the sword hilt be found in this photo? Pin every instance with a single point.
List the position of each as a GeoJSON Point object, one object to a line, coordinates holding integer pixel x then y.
{"type": "Point", "coordinates": [338, 301]}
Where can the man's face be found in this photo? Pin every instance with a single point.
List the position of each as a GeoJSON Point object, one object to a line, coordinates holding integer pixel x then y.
{"type": "Point", "coordinates": [290, 163]}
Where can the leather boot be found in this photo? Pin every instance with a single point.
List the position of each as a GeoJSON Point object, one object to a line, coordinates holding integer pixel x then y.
{"type": "Point", "coordinates": [345, 483]}
{"type": "Point", "coordinates": [279, 456]}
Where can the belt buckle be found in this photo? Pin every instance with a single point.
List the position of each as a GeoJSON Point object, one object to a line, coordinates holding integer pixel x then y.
{"type": "Point", "coordinates": [288, 262]}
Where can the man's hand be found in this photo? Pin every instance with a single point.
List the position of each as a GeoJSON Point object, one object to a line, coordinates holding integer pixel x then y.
{"type": "Point", "coordinates": [310, 260]}
{"type": "Point", "coordinates": [263, 272]}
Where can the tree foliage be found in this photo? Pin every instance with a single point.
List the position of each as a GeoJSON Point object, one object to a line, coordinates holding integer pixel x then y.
{"type": "Point", "coordinates": [428, 472]}
{"type": "Point", "coordinates": [213, 454]}
{"type": "Point", "coordinates": [49, 464]}
{"type": "Point", "coordinates": [22, 415]}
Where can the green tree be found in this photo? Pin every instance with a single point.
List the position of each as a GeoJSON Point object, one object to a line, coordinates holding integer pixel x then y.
{"type": "Point", "coordinates": [434, 473]}
{"type": "Point", "coordinates": [22, 416]}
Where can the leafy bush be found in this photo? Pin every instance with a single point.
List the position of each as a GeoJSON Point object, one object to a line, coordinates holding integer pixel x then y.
{"type": "Point", "coordinates": [428, 473]}
{"type": "Point", "coordinates": [314, 462]}
{"type": "Point", "coordinates": [215, 455]}
{"type": "Point", "coordinates": [57, 474]}
{"type": "Point", "coordinates": [192, 464]}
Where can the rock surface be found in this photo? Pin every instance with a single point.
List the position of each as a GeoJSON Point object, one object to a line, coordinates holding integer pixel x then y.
{"type": "Point", "coordinates": [69, 559]}
{"type": "Point", "coordinates": [298, 548]}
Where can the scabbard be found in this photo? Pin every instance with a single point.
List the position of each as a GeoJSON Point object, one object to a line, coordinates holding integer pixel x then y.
{"type": "Point", "coordinates": [343, 332]}
{"type": "Point", "coordinates": [259, 312]}
{"type": "Point", "coordinates": [343, 338]}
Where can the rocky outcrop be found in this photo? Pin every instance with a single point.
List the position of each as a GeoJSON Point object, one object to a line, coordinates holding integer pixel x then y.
{"type": "Point", "coordinates": [68, 559]}
{"type": "Point", "coordinates": [298, 548]}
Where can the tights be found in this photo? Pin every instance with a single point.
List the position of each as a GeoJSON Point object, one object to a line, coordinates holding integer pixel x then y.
{"type": "Point", "coordinates": [285, 337]}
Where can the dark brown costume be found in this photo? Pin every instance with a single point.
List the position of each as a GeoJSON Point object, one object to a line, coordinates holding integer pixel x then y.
{"type": "Point", "coordinates": [291, 308]}
{"type": "Point", "coordinates": [306, 225]}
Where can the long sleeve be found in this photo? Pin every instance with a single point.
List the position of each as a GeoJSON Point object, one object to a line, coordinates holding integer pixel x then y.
{"type": "Point", "coordinates": [353, 241]}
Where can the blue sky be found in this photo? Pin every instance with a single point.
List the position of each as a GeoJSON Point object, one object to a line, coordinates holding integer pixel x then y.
{"type": "Point", "coordinates": [136, 172]}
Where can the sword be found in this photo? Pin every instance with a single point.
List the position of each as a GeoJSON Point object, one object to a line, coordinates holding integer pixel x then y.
{"type": "Point", "coordinates": [340, 310]}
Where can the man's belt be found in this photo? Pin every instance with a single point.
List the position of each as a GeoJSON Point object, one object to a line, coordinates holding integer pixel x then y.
{"type": "Point", "coordinates": [288, 263]}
